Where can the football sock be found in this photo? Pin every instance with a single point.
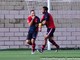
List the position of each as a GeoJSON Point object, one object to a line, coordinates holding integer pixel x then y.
{"type": "Point", "coordinates": [54, 43]}
{"type": "Point", "coordinates": [33, 47]}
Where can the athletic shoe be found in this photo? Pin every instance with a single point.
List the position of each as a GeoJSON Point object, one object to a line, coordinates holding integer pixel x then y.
{"type": "Point", "coordinates": [57, 48]}
{"type": "Point", "coordinates": [33, 52]}
{"type": "Point", "coordinates": [40, 50]}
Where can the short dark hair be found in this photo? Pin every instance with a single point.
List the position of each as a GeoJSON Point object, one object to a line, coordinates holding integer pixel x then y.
{"type": "Point", "coordinates": [31, 11]}
{"type": "Point", "coordinates": [45, 8]}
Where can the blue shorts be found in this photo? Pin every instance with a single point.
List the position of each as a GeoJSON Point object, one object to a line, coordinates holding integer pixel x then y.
{"type": "Point", "coordinates": [50, 32]}
{"type": "Point", "coordinates": [32, 35]}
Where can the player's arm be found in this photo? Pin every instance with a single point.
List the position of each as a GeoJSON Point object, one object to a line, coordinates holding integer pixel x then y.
{"type": "Point", "coordinates": [46, 18]}
{"type": "Point", "coordinates": [30, 22]}
{"type": "Point", "coordinates": [43, 22]}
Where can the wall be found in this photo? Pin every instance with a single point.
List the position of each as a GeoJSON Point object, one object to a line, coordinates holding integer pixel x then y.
{"type": "Point", "coordinates": [13, 26]}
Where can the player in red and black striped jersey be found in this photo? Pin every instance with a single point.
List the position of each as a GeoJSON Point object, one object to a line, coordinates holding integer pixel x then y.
{"type": "Point", "coordinates": [33, 22]}
{"type": "Point", "coordinates": [47, 20]}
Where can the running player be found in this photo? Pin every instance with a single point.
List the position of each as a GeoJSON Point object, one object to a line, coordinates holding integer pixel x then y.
{"type": "Point", "coordinates": [49, 22]}
{"type": "Point", "coordinates": [33, 22]}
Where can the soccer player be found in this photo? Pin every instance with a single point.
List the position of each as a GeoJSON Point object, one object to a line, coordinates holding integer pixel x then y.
{"type": "Point", "coordinates": [47, 20]}
{"type": "Point", "coordinates": [33, 22]}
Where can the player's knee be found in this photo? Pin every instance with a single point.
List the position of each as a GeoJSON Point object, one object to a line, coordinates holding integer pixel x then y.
{"type": "Point", "coordinates": [51, 38]}
{"type": "Point", "coordinates": [45, 38]}
{"type": "Point", "coordinates": [27, 41]}
{"type": "Point", "coordinates": [33, 41]}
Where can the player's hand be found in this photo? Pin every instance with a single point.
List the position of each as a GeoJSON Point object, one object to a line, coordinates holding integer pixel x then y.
{"type": "Point", "coordinates": [33, 17]}
{"type": "Point", "coordinates": [44, 22]}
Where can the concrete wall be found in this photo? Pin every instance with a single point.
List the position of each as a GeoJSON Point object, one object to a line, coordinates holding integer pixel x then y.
{"type": "Point", "coordinates": [13, 25]}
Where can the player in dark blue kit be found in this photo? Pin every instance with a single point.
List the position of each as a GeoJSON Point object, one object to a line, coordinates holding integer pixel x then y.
{"type": "Point", "coordinates": [33, 22]}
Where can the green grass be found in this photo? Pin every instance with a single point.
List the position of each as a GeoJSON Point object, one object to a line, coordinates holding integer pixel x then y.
{"type": "Point", "coordinates": [26, 54]}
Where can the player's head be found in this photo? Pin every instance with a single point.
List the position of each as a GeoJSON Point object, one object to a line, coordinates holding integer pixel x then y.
{"type": "Point", "coordinates": [44, 9]}
{"type": "Point", "coordinates": [32, 13]}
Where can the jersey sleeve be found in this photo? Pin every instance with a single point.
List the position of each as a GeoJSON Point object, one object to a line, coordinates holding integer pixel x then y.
{"type": "Point", "coordinates": [46, 17]}
{"type": "Point", "coordinates": [42, 19]}
{"type": "Point", "coordinates": [28, 20]}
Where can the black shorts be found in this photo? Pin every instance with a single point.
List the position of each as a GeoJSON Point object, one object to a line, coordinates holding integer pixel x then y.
{"type": "Point", "coordinates": [50, 32]}
{"type": "Point", "coordinates": [32, 35]}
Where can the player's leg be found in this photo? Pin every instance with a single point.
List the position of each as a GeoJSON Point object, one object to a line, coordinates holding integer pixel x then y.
{"type": "Point", "coordinates": [33, 45]}
{"type": "Point", "coordinates": [53, 42]}
{"type": "Point", "coordinates": [44, 44]}
{"type": "Point", "coordinates": [33, 41]}
{"type": "Point", "coordinates": [51, 36]}
{"type": "Point", "coordinates": [28, 40]}
{"type": "Point", "coordinates": [45, 39]}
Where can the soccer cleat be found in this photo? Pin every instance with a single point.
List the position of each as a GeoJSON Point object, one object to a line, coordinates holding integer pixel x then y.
{"type": "Point", "coordinates": [57, 48]}
{"type": "Point", "coordinates": [32, 52]}
{"type": "Point", "coordinates": [40, 50]}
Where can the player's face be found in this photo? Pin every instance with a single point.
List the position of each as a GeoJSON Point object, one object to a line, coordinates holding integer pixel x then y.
{"type": "Point", "coordinates": [43, 11]}
{"type": "Point", "coordinates": [32, 13]}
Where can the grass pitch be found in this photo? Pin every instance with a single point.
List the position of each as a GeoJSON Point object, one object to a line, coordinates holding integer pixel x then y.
{"type": "Point", "coordinates": [26, 55]}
